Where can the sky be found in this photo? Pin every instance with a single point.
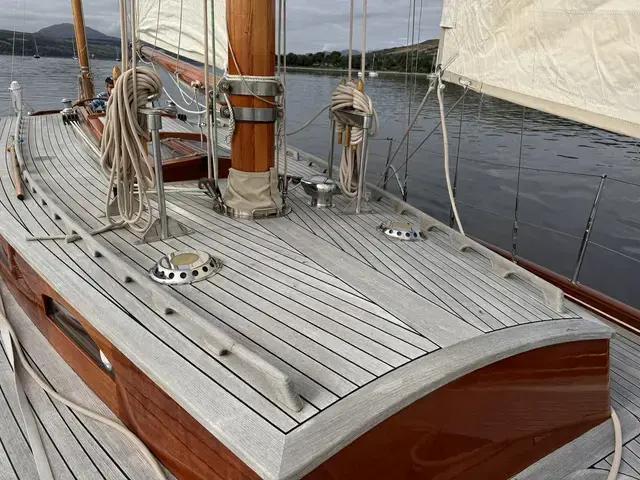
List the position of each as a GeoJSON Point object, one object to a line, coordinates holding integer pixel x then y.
{"type": "Point", "coordinates": [312, 25]}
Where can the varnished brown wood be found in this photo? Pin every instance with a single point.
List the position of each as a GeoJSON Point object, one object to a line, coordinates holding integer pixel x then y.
{"type": "Point", "coordinates": [15, 172]}
{"type": "Point", "coordinates": [186, 72]}
{"type": "Point", "coordinates": [490, 424]}
{"type": "Point", "coordinates": [83, 49]}
{"type": "Point", "coordinates": [29, 289]}
{"type": "Point", "coordinates": [620, 313]}
{"type": "Point", "coordinates": [192, 168]}
{"type": "Point", "coordinates": [184, 446]}
{"type": "Point", "coordinates": [252, 37]}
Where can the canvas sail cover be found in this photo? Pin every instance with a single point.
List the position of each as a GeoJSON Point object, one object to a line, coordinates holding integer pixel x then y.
{"type": "Point", "coordinates": [178, 27]}
{"type": "Point", "coordinates": [579, 59]}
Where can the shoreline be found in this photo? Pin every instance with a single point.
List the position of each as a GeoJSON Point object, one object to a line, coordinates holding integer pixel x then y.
{"type": "Point", "coordinates": [344, 70]}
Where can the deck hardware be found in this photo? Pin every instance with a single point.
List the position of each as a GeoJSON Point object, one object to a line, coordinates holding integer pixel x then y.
{"type": "Point", "coordinates": [250, 115]}
{"type": "Point", "coordinates": [321, 190]}
{"type": "Point", "coordinates": [164, 226]}
{"type": "Point", "coordinates": [404, 231]}
{"type": "Point", "coordinates": [240, 86]}
{"type": "Point", "coordinates": [588, 229]}
{"type": "Point", "coordinates": [105, 361]}
{"type": "Point", "coordinates": [184, 267]}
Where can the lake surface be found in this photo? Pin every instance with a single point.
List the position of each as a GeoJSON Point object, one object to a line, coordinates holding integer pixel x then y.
{"type": "Point", "coordinates": [561, 163]}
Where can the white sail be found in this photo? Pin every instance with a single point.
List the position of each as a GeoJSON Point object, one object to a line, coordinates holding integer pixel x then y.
{"type": "Point", "coordinates": [579, 59]}
{"type": "Point", "coordinates": [178, 27]}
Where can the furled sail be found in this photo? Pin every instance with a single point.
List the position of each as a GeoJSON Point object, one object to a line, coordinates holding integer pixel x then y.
{"type": "Point", "coordinates": [178, 27]}
{"type": "Point", "coordinates": [579, 59]}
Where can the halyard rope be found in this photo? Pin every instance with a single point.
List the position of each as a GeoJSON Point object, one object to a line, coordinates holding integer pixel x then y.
{"type": "Point", "coordinates": [124, 152]}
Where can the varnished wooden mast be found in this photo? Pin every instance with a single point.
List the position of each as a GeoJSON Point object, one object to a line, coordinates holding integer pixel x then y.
{"type": "Point", "coordinates": [252, 35]}
{"type": "Point", "coordinates": [83, 50]}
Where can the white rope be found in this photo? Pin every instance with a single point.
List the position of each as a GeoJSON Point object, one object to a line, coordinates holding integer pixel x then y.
{"type": "Point", "coordinates": [232, 120]}
{"type": "Point", "coordinates": [15, 345]}
{"type": "Point", "coordinates": [124, 155]}
{"type": "Point", "coordinates": [445, 144]}
{"type": "Point", "coordinates": [349, 97]}
{"type": "Point", "coordinates": [617, 456]}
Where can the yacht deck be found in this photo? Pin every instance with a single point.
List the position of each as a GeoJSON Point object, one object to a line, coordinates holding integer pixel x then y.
{"type": "Point", "coordinates": [322, 299]}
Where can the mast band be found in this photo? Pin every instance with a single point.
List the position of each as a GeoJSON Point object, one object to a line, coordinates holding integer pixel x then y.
{"type": "Point", "coordinates": [250, 115]}
{"type": "Point", "coordinates": [250, 86]}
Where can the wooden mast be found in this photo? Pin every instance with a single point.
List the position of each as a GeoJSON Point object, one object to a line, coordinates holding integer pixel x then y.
{"type": "Point", "coordinates": [252, 35]}
{"type": "Point", "coordinates": [83, 50]}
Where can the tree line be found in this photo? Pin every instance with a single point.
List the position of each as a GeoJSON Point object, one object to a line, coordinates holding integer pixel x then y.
{"type": "Point", "coordinates": [396, 62]}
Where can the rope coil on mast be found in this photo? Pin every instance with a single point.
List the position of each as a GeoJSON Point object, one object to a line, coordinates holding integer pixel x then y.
{"type": "Point", "coordinates": [124, 155]}
{"type": "Point", "coordinates": [348, 97]}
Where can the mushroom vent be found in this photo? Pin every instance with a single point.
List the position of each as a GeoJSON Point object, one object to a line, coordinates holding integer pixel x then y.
{"type": "Point", "coordinates": [404, 231]}
{"type": "Point", "coordinates": [180, 268]}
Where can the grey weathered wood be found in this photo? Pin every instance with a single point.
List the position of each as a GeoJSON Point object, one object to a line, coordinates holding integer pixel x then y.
{"type": "Point", "coordinates": [429, 319]}
{"type": "Point", "coordinates": [582, 452]}
{"type": "Point", "coordinates": [344, 315]}
{"type": "Point", "coordinates": [595, 475]}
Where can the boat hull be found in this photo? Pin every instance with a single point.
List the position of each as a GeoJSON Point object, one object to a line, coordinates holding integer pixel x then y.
{"type": "Point", "coordinates": [491, 423]}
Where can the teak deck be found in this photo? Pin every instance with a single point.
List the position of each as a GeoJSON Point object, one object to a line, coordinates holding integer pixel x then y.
{"type": "Point", "coordinates": [358, 325]}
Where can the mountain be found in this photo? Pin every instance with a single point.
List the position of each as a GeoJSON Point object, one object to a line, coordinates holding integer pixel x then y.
{"type": "Point", "coordinates": [65, 31]}
{"type": "Point", "coordinates": [344, 53]}
{"type": "Point", "coordinates": [54, 46]}
{"type": "Point", "coordinates": [430, 47]}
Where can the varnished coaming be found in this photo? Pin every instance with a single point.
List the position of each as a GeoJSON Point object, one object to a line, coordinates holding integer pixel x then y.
{"type": "Point", "coordinates": [489, 424]}
{"type": "Point", "coordinates": [252, 37]}
{"type": "Point", "coordinates": [192, 168]}
{"type": "Point", "coordinates": [184, 446]}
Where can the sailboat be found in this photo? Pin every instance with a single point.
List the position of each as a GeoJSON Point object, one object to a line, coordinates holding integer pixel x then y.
{"type": "Point", "coordinates": [117, 55]}
{"type": "Point", "coordinates": [372, 72]}
{"type": "Point", "coordinates": [73, 45]}
{"type": "Point", "coordinates": [236, 308]}
{"type": "Point", "coordinates": [36, 55]}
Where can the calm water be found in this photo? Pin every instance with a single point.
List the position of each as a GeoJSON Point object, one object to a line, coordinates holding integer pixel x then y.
{"type": "Point", "coordinates": [553, 206]}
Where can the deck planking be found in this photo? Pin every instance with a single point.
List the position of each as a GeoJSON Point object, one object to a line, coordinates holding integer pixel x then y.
{"type": "Point", "coordinates": [332, 330]}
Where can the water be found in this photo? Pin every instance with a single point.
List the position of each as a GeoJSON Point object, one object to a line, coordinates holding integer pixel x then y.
{"type": "Point", "coordinates": [553, 206]}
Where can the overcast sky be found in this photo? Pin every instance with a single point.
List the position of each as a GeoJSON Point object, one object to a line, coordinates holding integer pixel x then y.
{"type": "Point", "coordinates": [313, 25]}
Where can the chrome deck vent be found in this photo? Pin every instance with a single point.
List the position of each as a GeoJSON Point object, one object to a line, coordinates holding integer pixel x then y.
{"type": "Point", "coordinates": [404, 231]}
{"type": "Point", "coordinates": [180, 268]}
{"type": "Point", "coordinates": [321, 190]}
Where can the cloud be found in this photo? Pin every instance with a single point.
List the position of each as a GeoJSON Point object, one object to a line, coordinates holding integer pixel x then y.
{"type": "Point", "coordinates": [312, 26]}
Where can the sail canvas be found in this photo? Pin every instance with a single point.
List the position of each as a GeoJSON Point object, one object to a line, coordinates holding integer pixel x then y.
{"type": "Point", "coordinates": [579, 59]}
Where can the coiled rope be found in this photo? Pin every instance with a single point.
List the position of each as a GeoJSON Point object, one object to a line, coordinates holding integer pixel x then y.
{"type": "Point", "coordinates": [349, 97]}
{"type": "Point", "coordinates": [124, 153]}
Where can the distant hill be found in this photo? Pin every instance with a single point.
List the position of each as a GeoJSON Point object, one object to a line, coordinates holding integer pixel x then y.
{"type": "Point", "coordinates": [389, 59]}
{"type": "Point", "coordinates": [66, 31]}
{"type": "Point", "coordinates": [430, 47]}
{"type": "Point", "coordinates": [55, 46]}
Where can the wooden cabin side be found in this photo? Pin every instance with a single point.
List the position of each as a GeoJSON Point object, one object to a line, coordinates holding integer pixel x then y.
{"type": "Point", "coordinates": [491, 422]}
